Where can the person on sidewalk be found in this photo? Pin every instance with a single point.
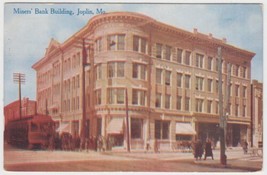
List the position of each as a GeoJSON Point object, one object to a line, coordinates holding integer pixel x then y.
{"type": "Point", "coordinates": [208, 150]}
{"type": "Point", "coordinates": [245, 147]}
{"type": "Point", "coordinates": [198, 151]}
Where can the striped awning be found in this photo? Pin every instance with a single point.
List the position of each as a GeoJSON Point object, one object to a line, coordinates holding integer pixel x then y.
{"type": "Point", "coordinates": [115, 126]}
{"type": "Point", "coordinates": [185, 129]}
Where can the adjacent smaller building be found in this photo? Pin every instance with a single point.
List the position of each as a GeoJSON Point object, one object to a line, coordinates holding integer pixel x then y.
{"type": "Point", "coordinates": [257, 113]}
{"type": "Point", "coordinates": [11, 111]}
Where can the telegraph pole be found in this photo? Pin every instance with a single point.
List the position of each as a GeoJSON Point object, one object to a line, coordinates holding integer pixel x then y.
{"type": "Point", "coordinates": [127, 121]}
{"type": "Point", "coordinates": [221, 114]}
{"type": "Point", "coordinates": [19, 78]}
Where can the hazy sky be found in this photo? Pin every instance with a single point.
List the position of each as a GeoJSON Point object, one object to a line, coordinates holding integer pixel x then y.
{"type": "Point", "coordinates": [26, 36]}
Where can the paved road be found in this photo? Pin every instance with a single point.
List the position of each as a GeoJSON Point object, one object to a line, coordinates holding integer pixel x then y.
{"type": "Point", "coordinates": [30, 160]}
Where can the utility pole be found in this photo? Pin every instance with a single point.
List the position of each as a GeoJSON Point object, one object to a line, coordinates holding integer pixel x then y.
{"type": "Point", "coordinates": [19, 78]}
{"type": "Point", "coordinates": [221, 114]}
{"type": "Point", "coordinates": [227, 98]}
{"type": "Point", "coordinates": [127, 121]}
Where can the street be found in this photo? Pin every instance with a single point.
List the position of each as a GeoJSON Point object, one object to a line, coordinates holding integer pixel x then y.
{"type": "Point", "coordinates": [16, 159]}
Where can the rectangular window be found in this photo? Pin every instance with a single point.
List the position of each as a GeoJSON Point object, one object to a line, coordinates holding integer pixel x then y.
{"type": "Point", "coordinates": [209, 106]}
{"type": "Point", "coordinates": [78, 81]}
{"type": "Point", "coordinates": [209, 85]}
{"type": "Point", "coordinates": [236, 110]}
{"type": "Point", "coordinates": [158, 100]}
{"type": "Point", "coordinates": [199, 83]}
{"type": "Point", "coordinates": [187, 103]}
{"type": "Point", "coordinates": [217, 107]}
{"type": "Point", "coordinates": [187, 58]}
{"type": "Point", "coordinates": [179, 55]}
{"type": "Point", "coordinates": [157, 129]}
{"type": "Point", "coordinates": [217, 86]}
{"type": "Point", "coordinates": [209, 63]}
{"type": "Point", "coordinates": [136, 128]}
{"type": "Point", "coordinates": [179, 79]}
{"type": "Point", "coordinates": [168, 53]}
{"type": "Point", "coordinates": [179, 103]}
{"type": "Point", "coordinates": [158, 76]}
{"type": "Point", "coordinates": [98, 97]}
{"type": "Point", "coordinates": [142, 71]}
{"type": "Point", "coordinates": [199, 60]}
{"type": "Point", "coordinates": [244, 91]}
{"type": "Point", "coordinates": [199, 105]}
{"type": "Point", "coordinates": [244, 72]}
{"type": "Point", "coordinates": [112, 43]}
{"type": "Point", "coordinates": [136, 43]}
{"type": "Point", "coordinates": [244, 110]}
{"type": "Point", "coordinates": [98, 71]}
{"type": "Point", "coordinates": [121, 42]}
{"type": "Point", "coordinates": [135, 97]}
{"type": "Point", "coordinates": [143, 45]}
{"type": "Point", "coordinates": [165, 130]}
{"type": "Point", "coordinates": [167, 101]}
{"type": "Point", "coordinates": [99, 45]}
{"type": "Point", "coordinates": [111, 69]}
{"type": "Point", "coordinates": [236, 70]}
{"type": "Point", "coordinates": [159, 51]}
{"type": "Point", "coordinates": [135, 70]}
{"type": "Point", "coordinates": [162, 129]}
{"type": "Point", "coordinates": [236, 90]}
{"type": "Point", "coordinates": [120, 96]}
{"type": "Point", "coordinates": [120, 69]}
{"type": "Point", "coordinates": [187, 81]}
{"type": "Point", "coordinates": [111, 96]}
{"type": "Point", "coordinates": [167, 78]}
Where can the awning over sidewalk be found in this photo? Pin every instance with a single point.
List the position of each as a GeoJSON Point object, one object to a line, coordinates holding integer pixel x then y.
{"type": "Point", "coordinates": [184, 129]}
{"type": "Point", "coordinates": [64, 127]}
{"type": "Point", "coordinates": [115, 126]}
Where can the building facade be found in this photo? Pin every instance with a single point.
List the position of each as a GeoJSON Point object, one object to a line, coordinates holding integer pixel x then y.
{"type": "Point", "coordinates": [257, 113]}
{"type": "Point", "coordinates": [11, 111]}
{"type": "Point", "coordinates": [170, 78]}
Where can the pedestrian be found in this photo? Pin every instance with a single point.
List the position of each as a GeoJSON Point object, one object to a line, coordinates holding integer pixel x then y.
{"type": "Point", "coordinates": [245, 147]}
{"type": "Point", "coordinates": [156, 146]}
{"type": "Point", "coordinates": [208, 149]}
{"type": "Point", "coordinates": [198, 151]}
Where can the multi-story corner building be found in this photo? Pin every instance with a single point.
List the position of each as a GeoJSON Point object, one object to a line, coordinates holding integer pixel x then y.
{"type": "Point", "coordinates": [169, 75]}
{"type": "Point", "coordinates": [12, 110]}
{"type": "Point", "coordinates": [257, 113]}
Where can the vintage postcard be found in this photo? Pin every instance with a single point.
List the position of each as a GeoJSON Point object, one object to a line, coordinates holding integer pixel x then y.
{"type": "Point", "coordinates": [133, 87]}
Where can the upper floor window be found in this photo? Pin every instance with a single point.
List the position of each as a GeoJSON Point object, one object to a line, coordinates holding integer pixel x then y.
{"type": "Point", "coordinates": [199, 83]}
{"type": "Point", "coordinates": [237, 90]}
{"type": "Point", "coordinates": [158, 76]}
{"type": "Point", "coordinates": [138, 97]}
{"type": "Point", "coordinates": [187, 81]}
{"type": "Point", "coordinates": [209, 85]}
{"type": "Point", "coordinates": [98, 45]}
{"type": "Point", "coordinates": [98, 71]}
{"type": "Point", "coordinates": [179, 55]}
{"type": "Point", "coordinates": [116, 95]}
{"type": "Point", "coordinates": [168, 52]}
{"type": "Point", "coordinates": [209, 67]}
{"type": "Point", "coordinates": [244, 72]}
{"type": "Point", "coordinates": [179, 79]}
{"type": "Point", "coordinates": [199, 105]}
{"type": "Point", "coordinates": [209, 106]}
{"type": "Point", "coordinates": [236, 70]}
{"type": "Point", "coordinates": [167, 78]}
{"type": "Point", "coordinates": [244, 91]}
{"type": "Point", "coordinates": [159, 50]}
{"type": "Point", "coordinates": [158, 100]}
{"type": "Point", "coordinates": [116, 42]}
{"type": "Point", "coordinates": [139, 71]}
{"type": "Point", "coordinates": [167, 101]}
{"type": "Point", "coordinates": [139, 44]}
{"type": "Point", "coordinates": [98, 97]}
{"type": "Point", "coordinates": [179, 103]}
{"type": "Point", "coordinates": [187, 59]}
{"type": "Point", "coordinates": [187, 103]}
{"type": "Point", "coordinates": [115, 69]}
{"type": "Point", "coordinates": [199, 60]}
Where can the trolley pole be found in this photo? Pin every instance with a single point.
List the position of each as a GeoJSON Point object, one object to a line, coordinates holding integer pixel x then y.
{"type": "Point", "coordinates": [221, 114]}
{"type": "Point", "coordinates": [19, 78]}
{"type": "Point", "coordinates": [127, 121]}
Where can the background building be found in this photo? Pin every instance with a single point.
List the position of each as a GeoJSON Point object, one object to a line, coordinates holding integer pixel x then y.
{"type": "Point", "coordinates": [11, 111]}
{"type": "Point", "coordinates": [170, 76]}
{"type": "Point", "coordinates": [257, 113]}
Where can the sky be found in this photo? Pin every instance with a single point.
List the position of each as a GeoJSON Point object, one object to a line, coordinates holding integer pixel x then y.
{"type": "Point", "coordinates": [26, 36]}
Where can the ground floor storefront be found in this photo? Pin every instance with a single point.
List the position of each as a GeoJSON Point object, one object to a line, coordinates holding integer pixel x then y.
{"type": "Point", "coordinates": [156, 131]}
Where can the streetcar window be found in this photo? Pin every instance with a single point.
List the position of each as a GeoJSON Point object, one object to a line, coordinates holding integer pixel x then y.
{"type": "Point", "coordinates": [34, 127]}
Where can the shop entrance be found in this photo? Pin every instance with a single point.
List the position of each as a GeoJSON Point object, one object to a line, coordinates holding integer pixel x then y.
{"type": "Point", "coordinates": [236, 135]}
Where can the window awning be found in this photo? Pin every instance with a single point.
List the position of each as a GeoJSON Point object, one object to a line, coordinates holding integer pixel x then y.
{"type": "Point", "coordinates": [64, 127]}
{"type": "Point", "coordinates": [115, 126]}
{"type": "Point", "coordinates": [185, 129]}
